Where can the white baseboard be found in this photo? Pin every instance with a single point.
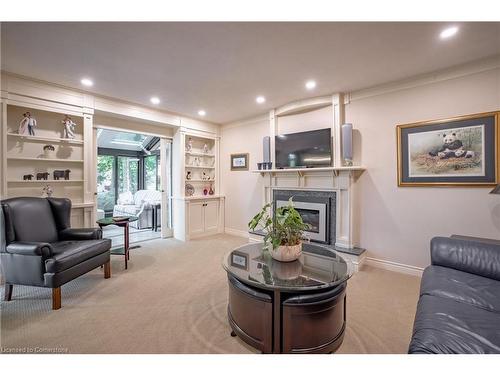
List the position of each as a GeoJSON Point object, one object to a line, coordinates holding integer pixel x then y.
{"type": "Point", "coordinates": [394, 266]}
{"type": "Point", "coordinates": [236, 232]}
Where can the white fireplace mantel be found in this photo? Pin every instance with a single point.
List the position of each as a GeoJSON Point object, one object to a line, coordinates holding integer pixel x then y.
{"type": "Point", "coordinates": [339, 180]}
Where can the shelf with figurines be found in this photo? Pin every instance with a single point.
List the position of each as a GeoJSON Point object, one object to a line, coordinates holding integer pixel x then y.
{"type": "Point", "coordinates": [44, 130]}
{"type": "Point", "coordinates": [58, 176]}
{"type": "Point", "coordinates": [206, 191]}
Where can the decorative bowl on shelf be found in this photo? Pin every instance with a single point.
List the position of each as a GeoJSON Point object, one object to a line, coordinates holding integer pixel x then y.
{"type": "Point", "coordinates": [189, 190]}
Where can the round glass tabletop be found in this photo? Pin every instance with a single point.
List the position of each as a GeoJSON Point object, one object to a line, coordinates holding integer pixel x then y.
{"type": "Point", "coordinates": [317, 268]}
{"type": "Point", "coordinates": [111, 221]}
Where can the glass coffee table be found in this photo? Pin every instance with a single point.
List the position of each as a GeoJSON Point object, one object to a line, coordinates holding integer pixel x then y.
{"type": "Point", "coordinates": [288, 307]}
{"type": "Point", "coordinates": [125, 249]}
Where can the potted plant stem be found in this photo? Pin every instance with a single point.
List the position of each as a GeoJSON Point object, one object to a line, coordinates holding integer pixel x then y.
{"type": "Point", "coordinates": [283, 233]}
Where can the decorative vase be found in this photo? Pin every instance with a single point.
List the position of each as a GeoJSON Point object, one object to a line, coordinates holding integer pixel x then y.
{"type": "Point", "coordinates": [48, 151]}
{"type": "Point", "coordinates": [285, 253]}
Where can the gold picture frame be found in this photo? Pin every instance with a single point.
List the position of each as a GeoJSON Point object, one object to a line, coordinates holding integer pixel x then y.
{"type": "Point", "coordinates": [239, 162]}
{"type": "Point", "coordinates": [486, 123]}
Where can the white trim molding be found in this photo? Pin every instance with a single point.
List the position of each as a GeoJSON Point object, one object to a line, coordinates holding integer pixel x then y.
{"type": "Point", "coordinates": [394, 266]}
{"type": "Point", "coordinates": [454, 72]}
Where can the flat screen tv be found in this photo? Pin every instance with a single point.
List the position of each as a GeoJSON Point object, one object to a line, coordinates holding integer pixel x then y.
{"type": "Point", "coordinates": [304, 150]}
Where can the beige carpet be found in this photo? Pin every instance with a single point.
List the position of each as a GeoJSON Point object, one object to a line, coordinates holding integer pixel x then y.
{"type": "Point", "coordinates": [173, 298]}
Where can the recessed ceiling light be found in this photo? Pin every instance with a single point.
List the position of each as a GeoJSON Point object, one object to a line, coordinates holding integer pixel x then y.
{"type": "Point", "coordinates": [260, 99]}
{"type": "Point", "coordinates": [155, 100]}
{"type": "Point", "coordinates": [310, 85]}
{"type": "Point", "coordinates": [449, 32]}
{"type": "Point", "coordinates": [86, 82]}
{"type": "Point", "coordinates": [201, 112]}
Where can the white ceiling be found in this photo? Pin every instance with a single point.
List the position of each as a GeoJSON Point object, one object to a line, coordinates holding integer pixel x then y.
{"type": "Point", "coordinates": [222, 67]}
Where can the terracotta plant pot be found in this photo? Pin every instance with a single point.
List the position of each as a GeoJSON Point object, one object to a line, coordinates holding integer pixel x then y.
{"type": "Point", "coordinates": [287, 253]}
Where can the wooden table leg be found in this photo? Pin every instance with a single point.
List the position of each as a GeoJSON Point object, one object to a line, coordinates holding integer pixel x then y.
{"type": "Point", "coordinates": [126, 244]}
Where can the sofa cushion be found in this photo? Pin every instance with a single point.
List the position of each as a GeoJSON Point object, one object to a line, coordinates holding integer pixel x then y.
{"type": "Point", "coordinates": [462, 287]}
{"type": "Point", "coordinates": [443, 325]}
{"type": "Point", "coordinates": [67, 254]}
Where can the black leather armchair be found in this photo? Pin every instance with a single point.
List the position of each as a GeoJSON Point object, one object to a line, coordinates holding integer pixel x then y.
{"type": "Point", "coordinates": [459, 306]}
{"type": "Point", "coordinates": [42, 250]}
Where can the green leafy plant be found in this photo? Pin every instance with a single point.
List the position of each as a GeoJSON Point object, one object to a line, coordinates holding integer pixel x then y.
{"type": "Point", "coordinates": [286, 228]}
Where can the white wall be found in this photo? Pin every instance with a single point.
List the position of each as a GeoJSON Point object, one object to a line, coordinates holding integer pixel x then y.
{"type": "Point", "coordinates": [394, 224]}
{"type": "Point", "coordinates": [243, 189]}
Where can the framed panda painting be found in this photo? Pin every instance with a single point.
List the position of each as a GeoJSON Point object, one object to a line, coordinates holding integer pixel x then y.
{"type": "Point", "coordinates": [460, 151]}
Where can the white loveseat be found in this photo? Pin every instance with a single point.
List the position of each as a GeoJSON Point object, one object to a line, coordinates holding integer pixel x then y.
{"type": "Point", "coordinates": [138, 204]}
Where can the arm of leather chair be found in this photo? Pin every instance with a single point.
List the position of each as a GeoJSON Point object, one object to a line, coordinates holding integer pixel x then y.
{"type": "Point", "coordinates": [80, 234]}
{"type": "Point", "coordinates": [42, 249]}
{"type": "Point", "coordinates": [479, 258]}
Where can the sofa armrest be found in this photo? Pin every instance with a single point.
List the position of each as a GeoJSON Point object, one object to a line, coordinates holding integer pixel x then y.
{"type": "Point", "coordinates": [42, 249]}
{"type": "Point", "coordinates": [479, 258]}
{"type": "Point", "coordinates": [80, 234]}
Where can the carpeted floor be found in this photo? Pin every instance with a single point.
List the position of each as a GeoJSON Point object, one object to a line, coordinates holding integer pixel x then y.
{"type": "Point", "coordinates": [173, 298]}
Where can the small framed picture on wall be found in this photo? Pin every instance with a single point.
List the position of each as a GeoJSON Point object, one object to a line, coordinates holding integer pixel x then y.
{"type": "Point", "coordinates": [460, 151]}
{"type": "Point", "coordinates": [239, 162]}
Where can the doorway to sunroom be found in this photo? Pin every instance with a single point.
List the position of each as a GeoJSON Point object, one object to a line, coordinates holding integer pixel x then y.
{"type": "Point", "coordinates": [133, 181]}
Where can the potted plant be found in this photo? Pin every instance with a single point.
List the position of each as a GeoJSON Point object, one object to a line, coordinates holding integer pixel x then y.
{"type": "Point", "coordinates": [283, 233]}
{"type": "Point", "coordinates": [48, 151]}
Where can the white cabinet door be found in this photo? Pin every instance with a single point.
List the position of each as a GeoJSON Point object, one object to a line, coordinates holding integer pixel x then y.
{"type": "Point", "coordinates": [196, 218]}
{"type": "Point", "coordinates": [211, 215]}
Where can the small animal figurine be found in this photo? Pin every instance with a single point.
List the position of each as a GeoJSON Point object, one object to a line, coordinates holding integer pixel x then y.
{"type": "Point", "coordinates": [28, 124]}
{"type": "Point", "coordinates": [27, 177]}
{"type": "Point", "coordinates": [205, 148]}
{"type": "Point", "coordinates": [188, 175]}
{"type": "Point", "coordinates": [61, 174]}
{"type": "Point", "coordinates": [204, 176]}
{"type": "Point", "coordinates": [47, 191]}
{"type": "Point", "coordinates": [69, 127]}
{"type": "Point", "coordinates": [42, 176]}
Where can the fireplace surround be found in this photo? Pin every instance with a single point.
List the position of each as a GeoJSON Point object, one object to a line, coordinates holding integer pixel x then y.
{"type": "Point", "coordinates": [317, 208]}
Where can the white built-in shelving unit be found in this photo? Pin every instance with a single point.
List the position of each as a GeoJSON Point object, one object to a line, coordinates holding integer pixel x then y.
{"type": "Point", "coordinates": [201, 213]}
{"type": "Point", "coordinates": [24, 155]}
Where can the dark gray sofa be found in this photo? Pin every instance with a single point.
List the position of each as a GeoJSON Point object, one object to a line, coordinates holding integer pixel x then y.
{"type": "Point", "coordinates": [459, 306]}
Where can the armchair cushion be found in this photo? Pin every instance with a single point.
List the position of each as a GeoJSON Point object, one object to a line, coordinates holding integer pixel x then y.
{"type": "Point", "coordinates": [80, 234]}
{"type": "Point", "coordinates": [67, 254]}
{"type": "Point", "coordinates": [42, 249]}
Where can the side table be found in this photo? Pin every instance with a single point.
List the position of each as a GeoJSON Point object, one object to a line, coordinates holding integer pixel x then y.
{"type": "Point", "coordinates": [125, 249]}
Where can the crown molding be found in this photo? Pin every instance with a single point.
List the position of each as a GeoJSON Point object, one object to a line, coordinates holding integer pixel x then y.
{"type": "Point", "coordinates": [454, 72]}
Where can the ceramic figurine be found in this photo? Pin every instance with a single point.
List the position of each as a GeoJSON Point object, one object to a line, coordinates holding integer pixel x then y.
{"type": "Point", "coordinates": [48, 151]}
{"type": "Point", "coordinates": [211, 191]}
{"type": "Point", "coordinates": [188, 175]}
{"type": "Point", "coordinates": [205, 191]}
{"type": "Point", "coordinates": [189, 145]}
{"type": "Point", "coordinates": [204, 176]}
{"type": "Point", "coordinates": [205, 148]}
{"type": "Point", "coordinates": [61, 174]}
{"type": "Point", "coordinates": [196, 161]}
{"type": "Point", "coordinates": [69, 127]}
{"type": "Point", "coordinates": [28, 124]}
{"type": "Point", "coordinates": [27, 177]}
{"type": "Point", "coordinates": [47, 191]}
{"type": "Point", "coordinates": [42, 176]}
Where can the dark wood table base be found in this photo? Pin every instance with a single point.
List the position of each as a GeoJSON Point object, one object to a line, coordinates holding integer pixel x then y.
{"type": "Point", "coordinates": [280, 322]}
